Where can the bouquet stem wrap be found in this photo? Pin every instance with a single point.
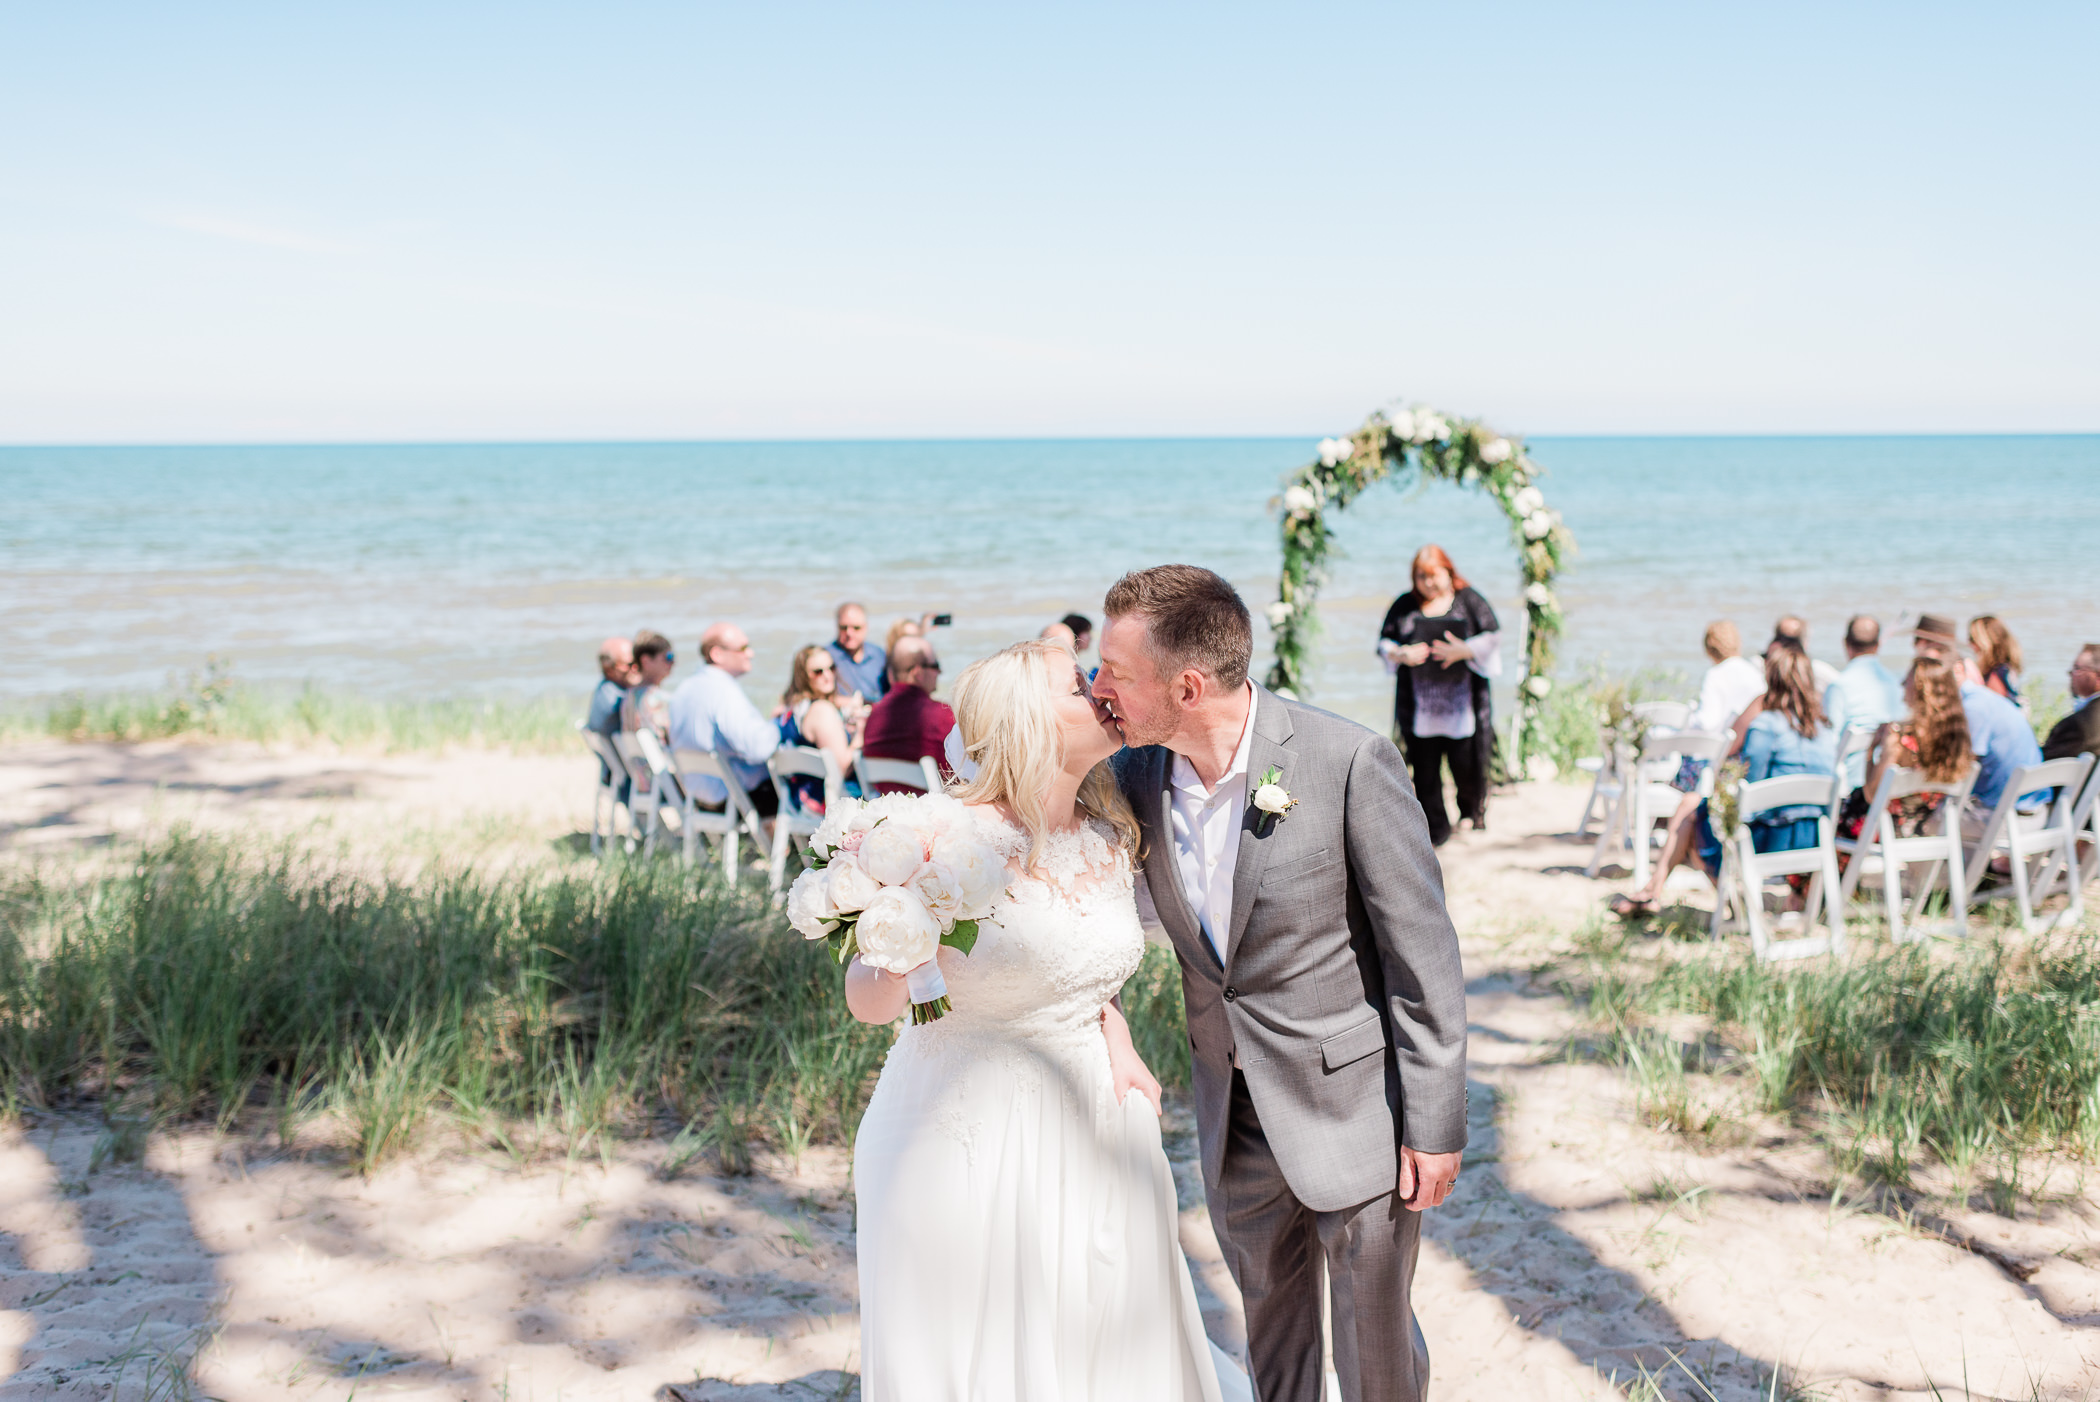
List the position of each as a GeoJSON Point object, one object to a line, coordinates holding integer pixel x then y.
{"type": "Point", "coordinates": [929, 992]}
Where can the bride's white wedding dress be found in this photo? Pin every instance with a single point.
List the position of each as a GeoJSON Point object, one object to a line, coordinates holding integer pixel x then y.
{"type": "Point", "coordinates": [1017, 1225]}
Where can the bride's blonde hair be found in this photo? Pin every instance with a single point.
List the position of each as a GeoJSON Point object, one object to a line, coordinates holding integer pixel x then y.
{"type": "Point", "coordinates": [1002, 705]}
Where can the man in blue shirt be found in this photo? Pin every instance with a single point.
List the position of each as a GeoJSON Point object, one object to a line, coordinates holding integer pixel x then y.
{"type": "Point", "coordinates": [1866, 694]}
{"type": "Point", "coordinates": [861, 664]}
{"type": "Point", "coordinates": [710, 712]}
{"type": "Point", "coordinates": [2003, 742]}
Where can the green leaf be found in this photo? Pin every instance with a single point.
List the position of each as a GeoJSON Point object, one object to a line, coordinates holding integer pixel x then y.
{"type": "Point", "coordinates": [962, 937]}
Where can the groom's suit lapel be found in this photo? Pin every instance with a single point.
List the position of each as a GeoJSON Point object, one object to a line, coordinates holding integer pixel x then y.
{"type": "Point", "coordinates": [1174, 910]}
{"type": "Point", "coordinates": [1272, 732]}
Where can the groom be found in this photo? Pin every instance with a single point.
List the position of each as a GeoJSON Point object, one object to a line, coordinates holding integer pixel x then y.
{"type": "Point", "coordinates": [1326, 1009]}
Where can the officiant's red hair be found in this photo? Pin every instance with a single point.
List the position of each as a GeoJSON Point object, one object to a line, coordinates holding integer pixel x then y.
{"type": "Point", "coordinates": [1432, 557]}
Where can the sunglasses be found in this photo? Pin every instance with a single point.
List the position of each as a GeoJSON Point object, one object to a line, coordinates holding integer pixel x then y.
{"type": "Point", "coordinates": [818, 671]}
{"type": "Point", "coordinates": [929, 666]}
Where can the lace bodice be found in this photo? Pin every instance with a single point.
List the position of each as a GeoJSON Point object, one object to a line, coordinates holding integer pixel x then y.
{"type": "Point", "coordinates": [1058, 944]}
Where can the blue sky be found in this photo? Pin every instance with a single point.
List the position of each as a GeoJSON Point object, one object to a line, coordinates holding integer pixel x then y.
{"type": "Point", "coordinates": [271, 222]}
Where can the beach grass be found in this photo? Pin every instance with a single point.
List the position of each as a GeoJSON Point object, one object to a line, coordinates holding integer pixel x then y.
{"type": "Point", "coordinates": [1975, 1056]}
{"type": "Point", "coordinates": [216, 704]}
{"type": "Point", "coordinates": [539, 1011]}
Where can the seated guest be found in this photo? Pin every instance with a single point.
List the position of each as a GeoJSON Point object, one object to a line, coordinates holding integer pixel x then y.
{"type": "Point", "coordinates": [813, 719]}
{"type": "Point", "coordinates": [1935, 637]}
{"type": "Point", "coordinates": [616, 673]}
{"type": "Point", "coordinates": [2079, 732]}
{"type": "Point", "coordinates": [1865, 695]}
{"type": "Point", "coordinates": [908, 724]}
{"type": "Point", "coordinates": [710, 712]}
{"type": "Point", "coordinates": [1789, 735]}
{"type": "Point", "coordinates": [1061, 635]}
{"type": "Point", "coordinates": [1082, 632]}
{"type": "Point", "coordinates": [2003, 742]}
{"type": "Point", "coordinates": [648, 704]}
{"type": "Point", "coordinates": [1935, 739]}
{"type": "Point", "coordinates": [861, 664]}
{"type": "Point", "coordinates": [1731, 682]}
{"type": "Point", "coordinates": [1795, 627]}
{"type": "Point", "coordinates": [1997, 655]}
{"type": "Point", "coordinates": [900, 630]}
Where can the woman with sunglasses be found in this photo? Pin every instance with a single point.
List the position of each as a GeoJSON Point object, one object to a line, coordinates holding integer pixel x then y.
{"type": "Point", "coordinates": [813, 718]}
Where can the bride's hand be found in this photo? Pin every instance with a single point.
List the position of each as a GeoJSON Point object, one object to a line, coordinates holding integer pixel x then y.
{"type": "Point", "coordinates": [1125, 1067]}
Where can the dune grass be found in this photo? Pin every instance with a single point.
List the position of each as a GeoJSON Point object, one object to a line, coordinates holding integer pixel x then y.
{"type": "Point", "coordinates": [1975, 1056]}
{"type": "Point", "coordinates": [536, 1011]}
{"type": "Point", "coordinates": [215, 704]}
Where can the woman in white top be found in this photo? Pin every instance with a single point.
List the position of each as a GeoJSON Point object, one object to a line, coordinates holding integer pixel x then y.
{"type": "Point", "coordinates": [1731, 683]}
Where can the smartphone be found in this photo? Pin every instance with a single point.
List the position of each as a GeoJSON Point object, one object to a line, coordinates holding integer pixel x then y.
{"type": "Point", "coordinates": [944, 620]}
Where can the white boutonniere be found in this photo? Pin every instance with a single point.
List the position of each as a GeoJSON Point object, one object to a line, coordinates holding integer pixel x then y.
{"type": "Point", "coordinates": [1271, 799]}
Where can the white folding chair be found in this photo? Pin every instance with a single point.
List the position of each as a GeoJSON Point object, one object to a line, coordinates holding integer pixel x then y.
{"type": "Point", "coordinates": [2047, 838]}
{"type": "Point", "coordinates": [1614, 780]}
{"type": "Point", "coordinates": [1601, 771]}
{"type": "Point", "coordinates": [921, 774]}
{"type": "Point", "coordinates": [726, 824]}
{"type": "Point", "coordinates": [646, 797]}
{"type": "Point", "coordinates": [1668, 715]}
{"type": "Point", "coordinates": [605, 793]}
{"type": "Point", "coordinates": [2085, 826]}
{"type": "Point", "coordinates": [1852, 760]}
{"type": "Point", "coordinates": [1878, 850]}
{"type": "Point", "coordinates": [1655, 798]}
{"type": "Point", "coordinates": [1745, 870]}
{"type": "Point", "coordinates": [795, 821]}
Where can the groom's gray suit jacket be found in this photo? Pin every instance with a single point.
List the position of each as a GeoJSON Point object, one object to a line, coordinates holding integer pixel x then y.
{"type": "Point", "coordinates": [1340, 988]}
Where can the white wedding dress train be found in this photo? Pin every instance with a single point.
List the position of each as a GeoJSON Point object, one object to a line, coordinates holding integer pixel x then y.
{"type": "Point", "coordinates": [1017, 1226]}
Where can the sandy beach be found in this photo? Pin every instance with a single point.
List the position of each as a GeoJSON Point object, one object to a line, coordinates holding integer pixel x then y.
{"type": "Point", "coordinates": [1581, 1253]}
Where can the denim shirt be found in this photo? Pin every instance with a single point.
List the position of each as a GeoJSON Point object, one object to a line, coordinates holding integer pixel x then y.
{"type": "Point", "coordinates": [2003, 742]}
{"type": "Point", "coordinates": [1772, 747]}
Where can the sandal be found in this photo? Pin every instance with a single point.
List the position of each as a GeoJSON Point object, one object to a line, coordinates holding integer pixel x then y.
{"type": "Point", "coordinates": [1626, 907]}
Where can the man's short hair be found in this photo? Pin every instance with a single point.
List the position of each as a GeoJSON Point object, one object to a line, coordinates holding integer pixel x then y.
{"type": "Point", "coordinates": [1863, 634]}
{"type": "Point", "coordinates": [1722, 640]}
{"type": "Point", "coordinates": [1791, 627]}
{"type": "Point", "coordinates": [614, 652]}
{"type": "Point", "coordinates": [2089, 657]}
{"type": "Point", "coordinates": [1079, 623]}
{"type": "Point", "coordinates": [1193, 618]}
{"type": "Point", "coordinates": [650, 643]}
{"type": "Point", "coordinates": [908, 656]}
{"type": "Point", "coordinates": [716, 635]}
{"type": "Point", "coordinates": [839, 613]}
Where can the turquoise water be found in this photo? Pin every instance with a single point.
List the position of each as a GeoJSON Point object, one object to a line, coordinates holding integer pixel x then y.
{"type": "Point", "coordinates": [449, 569]}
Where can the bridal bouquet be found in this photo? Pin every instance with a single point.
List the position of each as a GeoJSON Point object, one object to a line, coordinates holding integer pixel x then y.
{"type": "Point", "coordinates": [892, 880]}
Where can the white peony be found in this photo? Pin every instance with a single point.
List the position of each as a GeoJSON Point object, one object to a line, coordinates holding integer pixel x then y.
{"type": "Point", "coordinates": [940, 890]}
{"type": "Point", "coordinates": [849, 888]}
{"type": "Point", "coordinates": [1538, 595]}
{"type": "Point", "coordinates": [1402, 424]}
{"type": "Point", "coordinates": [1336, 451]}
{"type": "Point", "coordinates": [1430, 428]}
{"type": "Point", "coordinates": [893, 850]}
{"type": "Point", "coordinates": [848, 815]}
{"type": "Point", "coordinates": [1300, 501]}
{"type": "Point", "coordinates": [809, 907]}
{"type": "Point", "coordinates": [980, 874]}
{"type": "Point", "coordinates": [1538, 686]}
{"type": "Point", "coordinates": [1528, 500]}
{"type": "Point", "coordinates": [1279, 613]}
{"type": "Point", "coordinates": [1495, 451]}
{"type": "Point", "coordinates": [1537, 526]}
{"type": "Point", "coordinates": [1271, 798]}
{"type": "Point", "coordinates": [897, 932]}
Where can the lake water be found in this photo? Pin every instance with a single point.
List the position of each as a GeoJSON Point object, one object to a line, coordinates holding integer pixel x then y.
{"type": "Point", "coordinates": [453, 569]}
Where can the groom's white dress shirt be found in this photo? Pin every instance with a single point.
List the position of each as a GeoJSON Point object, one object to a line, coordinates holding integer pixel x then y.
{"type": "Point", "coordinates": [1207, 834]}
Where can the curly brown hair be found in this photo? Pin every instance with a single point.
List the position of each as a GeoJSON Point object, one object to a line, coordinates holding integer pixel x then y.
{"type": "Point", "coordinates": [1937, 721]}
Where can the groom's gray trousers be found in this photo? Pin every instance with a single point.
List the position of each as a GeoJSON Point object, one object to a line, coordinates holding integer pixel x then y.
{"type": "Point", "coordinates": [1329, 1033]}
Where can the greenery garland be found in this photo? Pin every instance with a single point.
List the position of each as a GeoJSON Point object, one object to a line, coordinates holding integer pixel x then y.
{"type": "Point", "coordinates": [1420, 444]}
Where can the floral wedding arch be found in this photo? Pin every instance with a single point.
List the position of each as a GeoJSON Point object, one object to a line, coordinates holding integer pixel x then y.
{"type": "Point", "coordinates": [1421, 445]}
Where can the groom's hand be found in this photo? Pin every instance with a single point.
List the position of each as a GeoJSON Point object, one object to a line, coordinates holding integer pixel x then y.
{"type": "Point", "coordinates": [1426, 1179]}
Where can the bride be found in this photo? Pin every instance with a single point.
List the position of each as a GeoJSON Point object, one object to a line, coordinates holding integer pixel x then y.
{"type": "Point", "coordinates": [1015, 1210]}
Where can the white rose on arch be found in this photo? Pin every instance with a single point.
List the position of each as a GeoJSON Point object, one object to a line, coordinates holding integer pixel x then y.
{"type": "Point", "coordinates": [897, 933]}
{"type": "Point", "coordinates": [1280, 613]}
{"type": "Point", "coordinates": [1495, 451]}
{"type": "Point", "coordinates": [1300, 501]}
{"type": "Point", "coordinates": [1538, 596]}
{"type": "Point", "coordinates": [1401, 424]}
{"type": "Point", "coordinates": [1539, 686]}
{"type": "Point", "coordinates": [1528, 500]}
{"type": "Point", "coordinates": [1336, 451]}
{"type": "Point", "coordinates": [1537, 526]}
{"type": "Point", "coordinates": [1429, 428]}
